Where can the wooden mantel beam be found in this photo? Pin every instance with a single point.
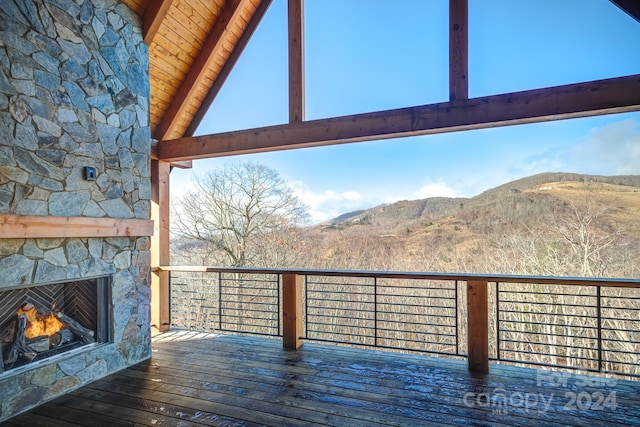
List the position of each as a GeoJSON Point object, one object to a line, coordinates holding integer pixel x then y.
{"type": "Point", "coordinates": [40, 226]}
{"type": "Point", "coordinates": [616, 95]}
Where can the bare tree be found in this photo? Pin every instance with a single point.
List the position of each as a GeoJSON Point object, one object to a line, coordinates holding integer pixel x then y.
{"type": "Point", "coordinates": [582, 225]}
{"type": "Point", "coordinates": [235, 211]}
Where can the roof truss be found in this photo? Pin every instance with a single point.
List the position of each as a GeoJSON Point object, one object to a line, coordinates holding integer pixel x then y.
{"type": "Point", "coordinates": [608, 96]}
{"type": "Point", "coordinates": [599, 97]}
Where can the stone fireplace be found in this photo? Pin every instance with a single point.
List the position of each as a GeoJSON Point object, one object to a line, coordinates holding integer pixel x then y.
{"type": "Point", "coordinates": [76, 261]}
{"type": "Point", "coordinates": [74, 97]}
{"type": "Point", "coordinates": [62, 317]}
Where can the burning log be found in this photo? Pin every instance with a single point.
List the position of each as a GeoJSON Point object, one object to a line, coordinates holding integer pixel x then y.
{"type": "Point", "coordinates": [19, 345]}
{"type": "Point", "coordinates": [31, 333]}
{"type": "Point", "coordinates": [39, 344]}
{"type": "Point", "coordinates": [61, 337]}
{"type": "Point", "coordinates": [8, 333]}
{"type": "Point", "coordinates": [86, 335]}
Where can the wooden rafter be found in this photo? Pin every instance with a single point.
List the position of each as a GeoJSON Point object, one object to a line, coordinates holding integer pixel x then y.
{"type": "Point", "coordinates": [153, 17]}
{"type": "Point", "coordinates": [592, 98]}
{"type": "Point", "coordinates": [212, 46]}
{"type": "Point", "coordinates": [458, 50]}
{"type": "Point", "coordinates": [228, 67]}
{"type": "Point", "coordinates": [631, 7]}
{"type": "Point", "coordinates": [296, 61]}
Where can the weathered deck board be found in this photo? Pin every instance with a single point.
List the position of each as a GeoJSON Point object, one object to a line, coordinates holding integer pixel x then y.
{"type": "Point", "coordinates": [205, 379]}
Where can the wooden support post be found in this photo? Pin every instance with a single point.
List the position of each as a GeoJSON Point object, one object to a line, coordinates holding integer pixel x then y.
{"type": "Point", "coordinates": [160, 319]}
{"type": "Point", "coordinates": [458, 50]}
{"type": "Point", "coordinates": [477, 326]}
{"type": "Point", "coordinates": [291, 311]}
{"type": "Point", "coordinates": [296, 61]}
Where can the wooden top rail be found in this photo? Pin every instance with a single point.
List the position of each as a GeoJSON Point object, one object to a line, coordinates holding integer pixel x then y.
{"type": "Point", "coordinates": [577, 281]}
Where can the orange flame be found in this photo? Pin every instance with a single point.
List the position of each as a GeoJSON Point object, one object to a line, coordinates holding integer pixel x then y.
{"type": "Point", "coordinates": [38, 325]}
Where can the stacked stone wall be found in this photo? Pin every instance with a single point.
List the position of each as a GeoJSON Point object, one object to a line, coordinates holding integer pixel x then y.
{"type": "Point", "coordinates": [74, 92]}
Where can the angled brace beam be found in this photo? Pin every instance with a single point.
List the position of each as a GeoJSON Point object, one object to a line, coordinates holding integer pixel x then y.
{"type": "Point", "coordinates": [228, 67]}
{"type": "Point", "coordinates": [211, 47]}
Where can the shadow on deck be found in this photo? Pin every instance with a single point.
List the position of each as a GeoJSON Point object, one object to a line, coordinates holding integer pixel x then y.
{"type": "Point", "coordinates": [208, 379]}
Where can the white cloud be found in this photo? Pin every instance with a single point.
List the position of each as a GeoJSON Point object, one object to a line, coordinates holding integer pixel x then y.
{"type": "Point", "coordinates": [329, 203]}
{"type": "Point", "coordinates": [611, 150]}
{"type": "Point", "coordinates": [352, 195]}
{"type": "Point", "coordinates": [435, 189]}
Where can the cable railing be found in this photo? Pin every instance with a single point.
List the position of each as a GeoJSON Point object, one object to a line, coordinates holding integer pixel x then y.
{"type": "Point", "coordinates": [404, 314]}
{"type": "Point", "coordinates": [226, 301]}
{"type": "Point", "coordinates": [586, 324]}
{"type": "Point", "coordinates": [591, 328]}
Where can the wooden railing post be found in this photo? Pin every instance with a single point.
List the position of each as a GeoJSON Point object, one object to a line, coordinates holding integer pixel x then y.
{"type": "Point", "coordinates": [477, 326]}
{"type": "Point", "coordinates": [291, 311]}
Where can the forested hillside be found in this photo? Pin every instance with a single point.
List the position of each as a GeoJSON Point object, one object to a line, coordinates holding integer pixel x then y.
{"type": "Point", "coordinates": [546, 224]}
{"type": "Point", "coordinates": [557, 224]}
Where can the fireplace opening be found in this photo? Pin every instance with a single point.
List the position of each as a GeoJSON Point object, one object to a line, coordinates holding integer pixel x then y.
{"type": "Point", "coordinates": [39, 322]}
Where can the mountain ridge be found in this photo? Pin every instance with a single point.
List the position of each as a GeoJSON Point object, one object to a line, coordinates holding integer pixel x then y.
{"type": "Point", "coordinates": [526, 226]}
{"type": "Point", "coordinates": [428, 207]}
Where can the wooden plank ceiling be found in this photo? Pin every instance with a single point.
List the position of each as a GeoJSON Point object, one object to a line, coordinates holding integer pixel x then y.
{"type": "Point", "coordinates": [191, 46]}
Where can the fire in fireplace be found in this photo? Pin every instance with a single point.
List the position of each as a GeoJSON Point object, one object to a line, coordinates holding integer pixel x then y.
{"type": "Point", "coordinates": [36, 324]}
{"type": "Point", "coordinates": [42, 321]}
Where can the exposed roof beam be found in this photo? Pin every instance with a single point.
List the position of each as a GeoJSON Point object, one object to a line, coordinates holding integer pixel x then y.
{"type": "Point", "coordinates": [228, 67]}
{"type": "Point", "coordinates": [184, 164]}
{"type": "Point", "coordinates": [458, 50]}
{"type": "Point", "coordinates": [296, 60]}
{"type": "Point", "coordinates": [153, 16]}
{"type": "Point", "coordinates": [632, 7]}
{"type": "Point", "coordinates": [212, 46]}
{"type": "Point", "coordinates": [592, 98]}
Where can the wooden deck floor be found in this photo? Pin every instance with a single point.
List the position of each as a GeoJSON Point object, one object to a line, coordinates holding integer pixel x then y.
{"type": "Point", "coordinates": [204, 379]}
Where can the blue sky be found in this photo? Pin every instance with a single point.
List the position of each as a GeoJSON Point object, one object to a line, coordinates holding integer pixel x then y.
{"type": "Point", "coordinates": [369, 55]}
